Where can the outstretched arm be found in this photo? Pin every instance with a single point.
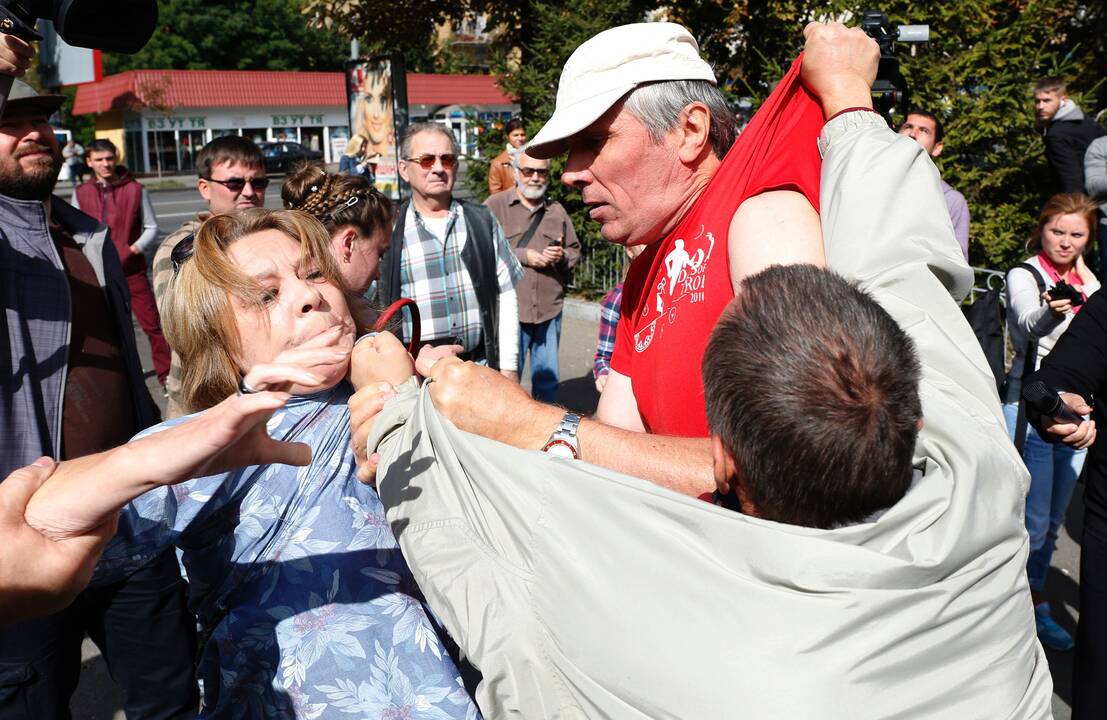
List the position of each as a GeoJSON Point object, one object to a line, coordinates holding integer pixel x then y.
{"type": "Point", "coordinates": [230, 435]}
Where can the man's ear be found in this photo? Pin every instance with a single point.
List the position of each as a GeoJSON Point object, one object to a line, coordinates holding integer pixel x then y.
{"type": "Point", "coordinates": [724, 466]}
{"type": "Point", "coordinates": [695, 133]}
{"type": "Point", "coordinates": [204, 188]}
{"type": "Point", "coordinates": [938, 147]}
{"type": "Point", "coordinates": [402, 167]}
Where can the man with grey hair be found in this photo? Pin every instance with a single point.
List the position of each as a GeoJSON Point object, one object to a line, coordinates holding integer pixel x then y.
{"type": "Point", "coordinates": [648, 135]}
{"type": "Point", "coordinates": [541, 234]}
{"type": "Point", "coordinates": [451, 258]}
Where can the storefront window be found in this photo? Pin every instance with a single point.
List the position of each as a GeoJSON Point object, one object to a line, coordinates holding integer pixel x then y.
{"type": "Point", "coordinates": [163, 151]}
{"type": "Point", "coordinates": [258, 135]}
{"type": "Point", "coordinates": [191, 141]}
{"type": "Point", "coordinates": [312, 138]}
{"type": "Point", "coordinates": [132, 152]}
{"type": "Point", "coordinates": [289, 134]}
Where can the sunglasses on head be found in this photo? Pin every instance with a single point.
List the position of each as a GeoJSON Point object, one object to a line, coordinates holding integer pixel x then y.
{"type": "Point", "coordinates": [182, 251]}
{"type": "Point", "coordinates": [449, 160]}
{"type": "Point", "coordinates": [237, 184]}
{"type": "Point", "coordinates": [531, 172]}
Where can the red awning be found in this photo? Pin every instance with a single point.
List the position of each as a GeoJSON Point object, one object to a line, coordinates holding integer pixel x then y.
{"type": "Point", "coordinates": [169, 89]}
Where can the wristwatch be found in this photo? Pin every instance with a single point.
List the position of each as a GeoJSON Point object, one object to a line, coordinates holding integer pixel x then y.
{"type": "Point", "coordinates": [563, 442]}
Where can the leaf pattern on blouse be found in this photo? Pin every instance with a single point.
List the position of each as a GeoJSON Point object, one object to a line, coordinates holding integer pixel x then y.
{"type": "Point", "coordinates": [295, 575]}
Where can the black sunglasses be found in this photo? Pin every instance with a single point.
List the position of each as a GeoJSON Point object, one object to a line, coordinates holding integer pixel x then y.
{"type": "Point", "coordinates": [237, 185]}
{"type": "Point", "coordinates": [182, 251]}
{"type": "Point", "coordinates": [449, 160]}
{"type": "Point", "coordinates": [530, 172]}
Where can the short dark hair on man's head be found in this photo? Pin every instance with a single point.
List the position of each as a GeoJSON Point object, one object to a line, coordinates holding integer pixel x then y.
{"type": "Point", "coordinates": [512, 125]}
{"type": "Point", "coordinates": [814, 390]}
{"type": "Point", "coordinates": [1051, 83]}
{"type": "Point", "coordinates": [939, 132]}
{"type": "Point", "coordinates": [228, 149]}
{"type": "Point", "coordinates": [101, 145]}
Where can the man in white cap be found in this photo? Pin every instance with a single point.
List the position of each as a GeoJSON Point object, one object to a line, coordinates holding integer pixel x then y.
{"type": "Point", "coordinates": [647, 131]}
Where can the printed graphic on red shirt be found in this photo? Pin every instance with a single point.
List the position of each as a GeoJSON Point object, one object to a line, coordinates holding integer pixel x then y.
{"type": "Point", "coordinates": [684, 282]}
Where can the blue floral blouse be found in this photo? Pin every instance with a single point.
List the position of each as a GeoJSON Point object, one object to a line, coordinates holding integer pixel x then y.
{"type": "Point", "coordinates": [307, 605]}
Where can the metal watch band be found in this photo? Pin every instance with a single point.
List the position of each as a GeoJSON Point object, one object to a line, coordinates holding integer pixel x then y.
{"type": "Point", "coordinates": [566, 434]}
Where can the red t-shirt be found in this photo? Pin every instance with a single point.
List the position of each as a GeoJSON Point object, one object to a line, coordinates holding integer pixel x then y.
{"type": "Point", "coordinates": [676, 290]}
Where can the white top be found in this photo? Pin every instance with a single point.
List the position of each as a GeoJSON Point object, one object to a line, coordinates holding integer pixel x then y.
{"type": "Point", "coordinates": [1029, 318]}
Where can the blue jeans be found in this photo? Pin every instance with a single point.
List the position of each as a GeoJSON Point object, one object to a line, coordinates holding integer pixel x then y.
{"type": "Point", "coordinates": [540, 341]}
{"type": "Point", "coordinates": [1054, 469]}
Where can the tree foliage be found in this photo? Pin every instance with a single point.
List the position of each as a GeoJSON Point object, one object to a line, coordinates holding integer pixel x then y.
{"type": "Point", "coordinates": [976, 73]}
{"type": "Point", "coordinates": [235, 35]}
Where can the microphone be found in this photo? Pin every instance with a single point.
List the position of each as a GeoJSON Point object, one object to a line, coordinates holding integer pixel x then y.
{"type": "Point", "coordinates": [1048, 403]}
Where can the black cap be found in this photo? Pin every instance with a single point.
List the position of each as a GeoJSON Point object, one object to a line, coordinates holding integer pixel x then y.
{"type": "Point", "coordinates": [24, 97]}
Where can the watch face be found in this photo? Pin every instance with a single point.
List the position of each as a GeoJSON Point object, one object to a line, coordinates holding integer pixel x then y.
{"type": "Point", "coordinates": [560, 448]}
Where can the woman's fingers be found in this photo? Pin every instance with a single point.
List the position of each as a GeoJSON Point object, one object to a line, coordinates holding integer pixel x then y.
{"type": "Point", "coordinates": [268, 377]}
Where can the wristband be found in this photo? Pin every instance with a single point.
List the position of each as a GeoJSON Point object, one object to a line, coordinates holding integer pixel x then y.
{"type": "Point", "coordinates": [851, 109]}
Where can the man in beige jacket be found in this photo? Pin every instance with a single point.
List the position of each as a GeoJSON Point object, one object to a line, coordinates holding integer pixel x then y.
{"type": "Point", "coordinates": [579, 592]}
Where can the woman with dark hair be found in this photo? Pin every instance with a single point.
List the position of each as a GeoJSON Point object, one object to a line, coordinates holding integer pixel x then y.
{"type": "Point", "coordinates": [357, 216]}
{"type": "Point", "coordinates": [1044, 294]}
{"type": "Point", "coordinates": [501, 175]}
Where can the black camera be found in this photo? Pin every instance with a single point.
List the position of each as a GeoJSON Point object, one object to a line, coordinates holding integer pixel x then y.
{"type": "Point", "coordinates": [1063, 291]}
{"type": "Point", "coordinates": [123, 26]}
{"type": "Point", "coordinates": [890, 90]}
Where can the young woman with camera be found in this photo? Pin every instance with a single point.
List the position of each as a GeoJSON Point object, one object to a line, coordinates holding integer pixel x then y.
{"type": "Point", "coordinates": [1044, 293]}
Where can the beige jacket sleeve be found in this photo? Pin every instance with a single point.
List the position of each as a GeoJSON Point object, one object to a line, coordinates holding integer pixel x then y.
{"type": "Point", "coordinates": [582, 593]}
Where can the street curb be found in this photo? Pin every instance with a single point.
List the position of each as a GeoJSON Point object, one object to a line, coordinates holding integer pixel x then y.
{"type": "Point", "coordinates": [582, 310]}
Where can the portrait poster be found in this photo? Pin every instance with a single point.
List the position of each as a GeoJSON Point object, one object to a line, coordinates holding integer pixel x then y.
{"type": "Point", "coordinates": [377, 95]}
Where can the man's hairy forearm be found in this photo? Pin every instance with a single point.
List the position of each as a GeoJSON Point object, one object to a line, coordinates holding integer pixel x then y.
{"type": "Point", "coordinates": [680, 464]}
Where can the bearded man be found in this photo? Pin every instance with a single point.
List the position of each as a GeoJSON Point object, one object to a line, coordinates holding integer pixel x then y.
{"type": "Point", "coordinates": [72, 386]}
{"type": "Point", "coordinates": [541, 234]}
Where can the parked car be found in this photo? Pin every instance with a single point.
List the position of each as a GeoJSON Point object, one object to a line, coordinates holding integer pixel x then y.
{"type": "Point", "coordinates": [281, 156]}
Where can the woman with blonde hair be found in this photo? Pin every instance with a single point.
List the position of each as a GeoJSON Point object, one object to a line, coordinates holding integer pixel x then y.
{"type": "Point", "coordinates": [355, 161]}
{"type": "Point", "coordinates": [307, 608]}
{"type": "Point", "coordinates": [1044, 293]}
{"type": "Point", "coordinates": [356, 214]}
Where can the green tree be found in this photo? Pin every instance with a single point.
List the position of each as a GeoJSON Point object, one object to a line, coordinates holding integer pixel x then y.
{"type": "Point", "coordinates": [975, 73]}
{"type": "Point", "coordinates": [235, 35]}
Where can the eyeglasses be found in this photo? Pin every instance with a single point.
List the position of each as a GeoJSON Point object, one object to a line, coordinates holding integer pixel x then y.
{"type": "Point", "coordinates": [182, 251]}
{"type": "Point", "coordinates": [531, 172]}
{"type": "Point", "coordinates": [449, 160]}
{"type": "Point", "coordinates": [237, 185]}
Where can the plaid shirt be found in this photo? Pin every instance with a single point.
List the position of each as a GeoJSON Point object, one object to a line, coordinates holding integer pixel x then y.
{"type": "Point", "coordinates": [609, 321]}
{"type": "Point", "coordinates": [433, 274]}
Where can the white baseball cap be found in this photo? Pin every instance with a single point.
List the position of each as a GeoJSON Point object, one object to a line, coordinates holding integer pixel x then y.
{"type": "Point", "coordinates": [608, 66]}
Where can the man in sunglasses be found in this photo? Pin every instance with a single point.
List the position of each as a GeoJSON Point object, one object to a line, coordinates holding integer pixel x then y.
{"type": "Point", "coordinates": [451, 258]}
{"type": "Point", "coordinates": [541, 234]}
{"type": "Point", "coordinates": [116, 199]}
{"type": "Point", "coordinates": [232, 178]}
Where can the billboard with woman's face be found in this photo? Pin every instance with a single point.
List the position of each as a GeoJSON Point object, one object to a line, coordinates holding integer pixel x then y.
{"type": "Point", "coordinates": [377, 100]}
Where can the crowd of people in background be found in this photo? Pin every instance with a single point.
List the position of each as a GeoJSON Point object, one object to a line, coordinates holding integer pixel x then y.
{"type": "Point", "coordinates": [266, 331]}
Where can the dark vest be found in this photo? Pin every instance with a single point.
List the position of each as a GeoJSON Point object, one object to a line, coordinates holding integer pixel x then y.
{"type": "Point", "coordinates": [479, 256]}
{"type": "Point", "coordinates": [119, 206]}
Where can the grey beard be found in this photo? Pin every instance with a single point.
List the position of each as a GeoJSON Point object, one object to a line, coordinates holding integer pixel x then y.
{"type": "Point", "coordinates": [534, 192]}
{"type": "Point", "coordinates": [34, 184]}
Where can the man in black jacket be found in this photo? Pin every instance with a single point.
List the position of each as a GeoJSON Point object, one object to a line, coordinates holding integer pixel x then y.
{"type": "Point", "coordinates": [1078, 365]}
{"type": "Point", "coordinates": [1067, 132]}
